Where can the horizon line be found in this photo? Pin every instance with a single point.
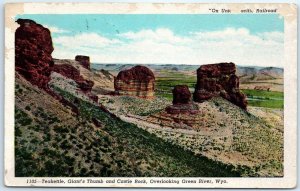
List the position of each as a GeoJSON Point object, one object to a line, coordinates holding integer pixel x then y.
{"type": "Point", "coordinates": [99, 63]}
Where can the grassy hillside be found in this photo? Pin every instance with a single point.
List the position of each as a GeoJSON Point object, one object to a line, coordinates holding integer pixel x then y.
{"type": "Point", "coordinates": [50, 140]}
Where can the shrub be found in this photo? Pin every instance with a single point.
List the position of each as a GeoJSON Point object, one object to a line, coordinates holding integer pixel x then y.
{"type": "Point", "coordinates": [27, 108]}
{"type": "Point", "coordinates": [18, 132]}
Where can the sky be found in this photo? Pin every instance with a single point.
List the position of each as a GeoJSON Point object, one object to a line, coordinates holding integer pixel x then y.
{"type": "Point", "coordinates": [245, 39]}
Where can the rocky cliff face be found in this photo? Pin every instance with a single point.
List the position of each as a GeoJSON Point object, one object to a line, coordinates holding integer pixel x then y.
{"type": "Point", "coordinates": [84, 61]}
{"type": "Point", "coordinates": [33, 48]}
{"type": "Point", "coordinates": [137, 81]}
{"type": "Point", "coordinates": [182, 101]}
{"type": "Point", "coordinates": [219, 80]}
{"type": "Point", "coordinates": [72, 73]}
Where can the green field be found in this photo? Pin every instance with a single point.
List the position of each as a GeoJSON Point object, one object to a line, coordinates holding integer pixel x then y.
{"type": "Point", "coordinates": [262, 98]}
{"type": "Point", "coordinates": [258, 98]}
{"type": "Point", "coordinates": [165, 84]}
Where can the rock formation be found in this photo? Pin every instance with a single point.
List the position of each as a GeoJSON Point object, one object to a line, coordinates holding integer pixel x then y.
{"type": "Point", "coordinates": [33, 48]}
{"type": "Point", "coordinates": [84, 61]}
{"type": "Point", "coordinates": [137, 81]}
{"type": "Point", "coordinates": [72, 73]}
{"type": "Point", "coordinates": [181, 94]}
{"type": "Point", "coordinates": [33, 60]}
{"type": "Point", "coordinates": [219, 80]}
{"type": "Point", "coordinates": [182, 101]}
{"type": "Point", "coordinates": [103, 80]}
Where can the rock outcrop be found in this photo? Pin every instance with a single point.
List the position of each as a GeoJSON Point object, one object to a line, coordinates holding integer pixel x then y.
{"type": "Point", "coordinates": [219, 80]}
{"type": "Point", "coordinates": [84, 61]}
{"type": "Point", "coordinates": [103, 80]}
{"type": "Point", "coordinates": [33, 48]}
{"type": "Point", "coordinates": [137, 81]}
{"type": "Point", "coordinates": [33, 60]}
{"type": "Point", "coordinates": [72, 73]}
{"type": "Point", "coordinates": [181, 94]}
{"type": "Point", "coordinates": [182, 101]}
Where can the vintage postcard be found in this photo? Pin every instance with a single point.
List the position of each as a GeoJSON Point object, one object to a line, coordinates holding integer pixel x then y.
{"type": "Point", "coordinates": [150, 95]}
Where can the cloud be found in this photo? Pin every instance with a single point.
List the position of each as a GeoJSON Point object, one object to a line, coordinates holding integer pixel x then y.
{"type": "Point", "coordinates": [273, 36]}
{"type": "Point", "coordinates": [163, 46]}
{"type": "Point", "coordinates": [54, 29]}
{"type": "Point", "coordinates": [161, 35]}
{"type": "Point", "coordinates": [84, 41]}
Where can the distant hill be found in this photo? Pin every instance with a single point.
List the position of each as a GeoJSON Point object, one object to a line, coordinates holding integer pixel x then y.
{"type": "Point", "coordinates": [251, 77]}
{"type": "Point", "coordinates": [154, 67]}
{"type": "Point", "coordinates": [259, 73]}
{"type": "Point", "coordinates": [272, 72]}
{"type": "Point", "coordinates": [241, 70]}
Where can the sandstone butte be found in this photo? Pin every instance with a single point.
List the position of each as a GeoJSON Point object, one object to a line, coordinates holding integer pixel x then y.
{"type": "Point", "coordinates": [182, 103]}
{"type": "Point", "coordinates": [33, 48]}
{"type": "Point", "coordinates": [138, 81]}
{"type": "Point", "coordinates": [219, 80]}
{"type": "Point", "coordinates": [84, 61]}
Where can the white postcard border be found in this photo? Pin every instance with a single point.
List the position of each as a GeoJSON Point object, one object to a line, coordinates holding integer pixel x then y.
{"type": "Point", "coordinates": [288, 11]}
